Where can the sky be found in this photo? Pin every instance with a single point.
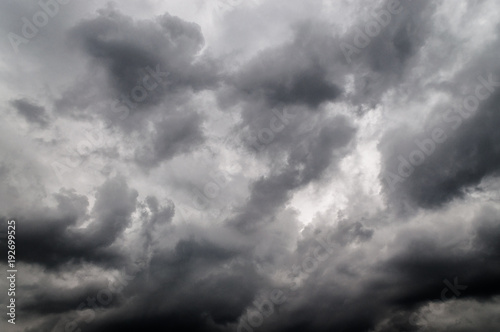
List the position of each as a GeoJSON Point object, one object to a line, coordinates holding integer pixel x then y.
{"type": "Point", "coordinates": [251, 165]}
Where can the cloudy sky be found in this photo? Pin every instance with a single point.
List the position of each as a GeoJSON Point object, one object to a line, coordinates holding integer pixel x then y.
{"type": "Point", "coordinates": [251, 165]}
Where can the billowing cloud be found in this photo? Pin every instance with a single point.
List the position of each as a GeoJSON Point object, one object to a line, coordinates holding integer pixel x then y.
{"type": "Point", "coordinates": [240, 166]}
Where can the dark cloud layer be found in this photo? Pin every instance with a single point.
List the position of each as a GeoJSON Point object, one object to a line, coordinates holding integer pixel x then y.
{"type": "Point", "coordinates": [165, 48]}
{"type": "Point", "coordinates": [320, 201]}
{"type": "Point", "coordinates": [295, 73]}
{"type": "Point", "coordinates": [178, 133]}
{"type": "Point", "coordinates": [115, 203]}
{"type": "Point", "coordinates": [32, 113]}
{"type": "Point", "coordinates": [468, 154]}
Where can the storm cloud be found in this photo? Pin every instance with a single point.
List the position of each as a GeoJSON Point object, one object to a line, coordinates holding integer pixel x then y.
{"type": "Point", "coordinates": [240, 166]}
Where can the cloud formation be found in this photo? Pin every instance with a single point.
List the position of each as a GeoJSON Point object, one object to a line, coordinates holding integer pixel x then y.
{"type": "Point", "coordinates": [239, 166]}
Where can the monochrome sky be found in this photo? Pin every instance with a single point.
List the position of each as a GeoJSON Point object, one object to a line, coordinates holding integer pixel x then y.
{"type": "Point", "coordinates": [206, 155]}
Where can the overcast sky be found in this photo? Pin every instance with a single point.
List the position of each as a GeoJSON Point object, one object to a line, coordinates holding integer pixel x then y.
{"type": "Point", "coordinates": [251, 165]}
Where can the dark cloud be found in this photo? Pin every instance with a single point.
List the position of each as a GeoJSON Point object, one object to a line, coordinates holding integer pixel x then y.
{"type": "Point", "coordinates": [143, 71]}
{"type": "Point", "coordinates": [177, 134]}
{"type": "Point", "coordinates": [386, 295]}
{"type": "Point", "coordinates": [146, 60]}
{"type": "Point", "coordinates": [384, 60]}
{"type": "Point", "coordinates": [188, 297]}
{"type": "Point", "coordinates": [418, 273]}
{"type": "Point", "coordinates": [459, 138]}
{"type": "Point", "coordinates": [292, 74]}
{"type": "Point", "coordinates": [51, 301]}
{"type": "Point", "coordinates": [303, 166]}
{"type": "Point", "coordinates": [453, 167]}
{"type": "Point", "coordinates": [134, 100]}
{"type": "Point", "coordinates": [31, 112]}
{"type": "Point", "coordinates": [54, 236]}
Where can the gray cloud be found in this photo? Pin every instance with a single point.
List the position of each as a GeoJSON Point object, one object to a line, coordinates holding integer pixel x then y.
{"type": "Point", "coordinates": [177, 134]}
{"type": "Point", "coordinates": [465, 153]}
{"type": "Point", "coordinates": [148, 59]}
{"type": "Point", "coordinates": [115, 203]}
{"type": "Point", "coordinates": [302, 167]}
{"type": "Point", "coordinates": [256, 110]}
{"type": "Point", "coordinates": [31, 112]}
